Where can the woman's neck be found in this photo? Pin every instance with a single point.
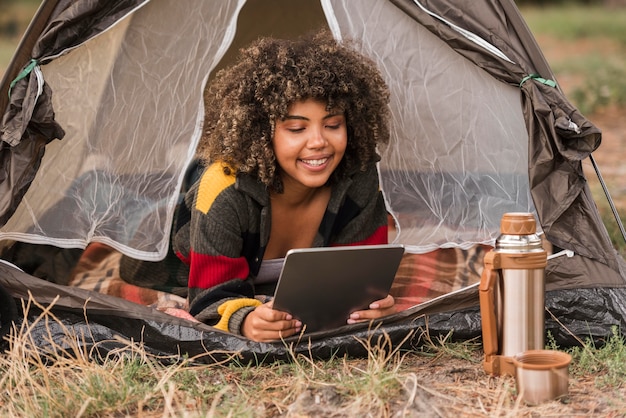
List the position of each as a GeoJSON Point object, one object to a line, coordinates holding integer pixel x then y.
{"type": "Point", "coordinates": [296, 219]}
{"type": "Point", "coordinates": [297, 195]}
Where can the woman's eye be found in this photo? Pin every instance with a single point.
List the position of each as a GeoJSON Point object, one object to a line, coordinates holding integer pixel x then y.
{"type": "Point", "coordinates": [296, 130]}
{"type": "Point", "coordinates": [334, 123]}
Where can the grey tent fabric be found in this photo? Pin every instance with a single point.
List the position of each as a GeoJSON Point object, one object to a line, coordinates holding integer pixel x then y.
{"type": "Point", "coordinates": [28, 123]}
{"type": "Point", "coordinates": [585, 291]}
{"type": "Point", "coordinates": [133, 85]}
{"type": "Point", "coordinates": [111, 321]}
{"type": "Point", "coordinates": [104, 324]}
{"type": "Point", "coordinates": [559, 136]}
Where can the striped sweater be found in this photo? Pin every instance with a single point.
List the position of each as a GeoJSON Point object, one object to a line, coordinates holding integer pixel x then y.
{"type": "Point", "coordinates": [227, 230]}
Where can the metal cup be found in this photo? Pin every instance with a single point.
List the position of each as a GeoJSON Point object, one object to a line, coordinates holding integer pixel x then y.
{"type": "Point", "coordinates": [541, 375]}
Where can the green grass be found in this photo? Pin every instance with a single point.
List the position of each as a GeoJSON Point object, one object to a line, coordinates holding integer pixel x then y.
{"type": "Point", "coordinates": [7, 49]}
{"type": "Point", "coordinates": [604, 81]}
{"type": "Point", "coordinates": [575, 22]}
{"type": "Point", "coordinates": [607, 362]}
{"type": "Point", "coordinates": [604, 361]}
{"type": "Point", "coordinates": [600, 71]}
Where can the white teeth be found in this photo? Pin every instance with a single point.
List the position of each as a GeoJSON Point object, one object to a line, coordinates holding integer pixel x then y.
{"type": "Point", "coordinates": [315, 162]}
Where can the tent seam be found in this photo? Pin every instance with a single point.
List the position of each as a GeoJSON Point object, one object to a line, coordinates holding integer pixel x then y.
{"type": "Point", "coordinates": [472, 37]}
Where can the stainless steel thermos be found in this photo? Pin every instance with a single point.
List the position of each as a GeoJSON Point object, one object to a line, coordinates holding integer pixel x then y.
{"type": "Point", "coordinates": [512, 294]}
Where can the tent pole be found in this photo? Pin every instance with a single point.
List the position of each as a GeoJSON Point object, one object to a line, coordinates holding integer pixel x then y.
{"type": "Point", "coordinates": [608, 197]}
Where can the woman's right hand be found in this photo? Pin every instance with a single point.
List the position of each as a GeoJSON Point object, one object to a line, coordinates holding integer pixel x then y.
{"type": "Point", "coordinates": [265, 324]}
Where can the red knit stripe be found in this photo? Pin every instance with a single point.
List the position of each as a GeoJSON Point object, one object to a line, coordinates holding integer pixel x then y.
{"type": "Point", "coordinates": [183, 258]}
{"type": "Point", "coordinates": [210, 270]}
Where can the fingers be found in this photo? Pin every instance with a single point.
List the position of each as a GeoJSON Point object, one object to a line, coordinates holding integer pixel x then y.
{"type": "Point", "coordinates": [385, 303]}
{"type": "Point", "coordinates": [377, 309]}
{"type": "Point", "coordinates": [266, 324]}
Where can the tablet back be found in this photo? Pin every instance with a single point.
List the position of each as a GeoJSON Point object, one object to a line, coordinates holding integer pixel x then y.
{"type": "Point", "coordinates": [322, 286]}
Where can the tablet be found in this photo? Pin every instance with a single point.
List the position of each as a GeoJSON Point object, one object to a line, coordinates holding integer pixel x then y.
{"type": "Point", "coordinates": [322, 286]}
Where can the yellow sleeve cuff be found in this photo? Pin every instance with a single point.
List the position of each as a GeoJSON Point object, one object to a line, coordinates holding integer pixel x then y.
{"type": "Point", "coordinates": [228, 308]}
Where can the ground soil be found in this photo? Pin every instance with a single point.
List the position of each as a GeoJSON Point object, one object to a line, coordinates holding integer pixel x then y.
{"type": "Point", "coordinates": [448, 386]}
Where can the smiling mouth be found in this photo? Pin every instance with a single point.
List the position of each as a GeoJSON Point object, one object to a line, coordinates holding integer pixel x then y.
{"type": "Point", "coordinates": [316, 163]}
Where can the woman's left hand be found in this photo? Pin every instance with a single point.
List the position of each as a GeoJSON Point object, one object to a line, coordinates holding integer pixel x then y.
{"type": "Point", "coordinates": [377, 309]}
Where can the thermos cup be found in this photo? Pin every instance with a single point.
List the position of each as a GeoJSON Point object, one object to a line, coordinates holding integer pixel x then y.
{"type": "Point", "coordinates": [512, 294]}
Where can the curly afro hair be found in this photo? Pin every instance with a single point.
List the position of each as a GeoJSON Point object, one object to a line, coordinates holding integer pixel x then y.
{"type": "Point", "coordinates": [245, 100]}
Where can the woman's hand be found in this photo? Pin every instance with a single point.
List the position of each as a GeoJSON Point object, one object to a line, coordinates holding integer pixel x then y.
{"type": "Point", "coordinates": [266, 324]}
{"type": "Point", "coordinates": [377, 309]}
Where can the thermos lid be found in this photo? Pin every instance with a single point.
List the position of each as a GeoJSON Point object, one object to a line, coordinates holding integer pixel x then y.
{"type": "Point", "coordinates": [518, 233]}
{"type": "Point", "coordinates": [518, 223]}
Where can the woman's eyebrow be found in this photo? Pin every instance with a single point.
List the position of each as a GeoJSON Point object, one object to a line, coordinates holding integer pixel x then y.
{"type": "Point", "coordinates": [296, 117]}
{"type": "Point", "coordinates": [299, 117]}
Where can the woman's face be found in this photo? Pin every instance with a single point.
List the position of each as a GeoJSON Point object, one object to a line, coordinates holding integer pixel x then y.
{"type": "Point", "coordinates": [309, 144]}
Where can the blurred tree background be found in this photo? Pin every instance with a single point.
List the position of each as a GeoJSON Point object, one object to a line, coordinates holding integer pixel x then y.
{"type": "Point", "coordinates": [15, 15]}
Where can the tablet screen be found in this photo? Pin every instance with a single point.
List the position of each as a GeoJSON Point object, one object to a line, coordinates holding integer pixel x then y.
{"type": "Point", "coordinates": [322, 286]}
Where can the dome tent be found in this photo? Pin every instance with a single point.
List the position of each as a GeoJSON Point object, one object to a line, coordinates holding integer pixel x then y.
{"type": "Point", "coordinates": [105, 112]}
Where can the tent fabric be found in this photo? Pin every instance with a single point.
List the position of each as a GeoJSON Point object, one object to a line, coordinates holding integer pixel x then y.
{"type": "Point", "coordinates": [477, 131]}
{"type": "Point", "coordinates": [114, 200]}
{"type": "Point", "coordinates": [474, 198]}
{"type": "Point", "coordinates": [118, 171]}
{"type": "Point", "coordinates": [103, 325]}
{"type": "Point", "coordinates": [445, 183]}
{"type": "Point", "coordinates": [8, 312]}
{"type": "Point", "coordinates": [559, 136]}
{"type": "Point", "coordinates": [28, 125]}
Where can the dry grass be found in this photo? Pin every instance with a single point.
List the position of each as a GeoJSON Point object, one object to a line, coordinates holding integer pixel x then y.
{"type": "Point", "coordinates": [56, 376]}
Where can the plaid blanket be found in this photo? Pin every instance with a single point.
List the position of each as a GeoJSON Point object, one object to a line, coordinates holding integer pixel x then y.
{"type": "Point", "coordinates": [98, 270]}
{"type": "Point", "coordinates": [420, 277]}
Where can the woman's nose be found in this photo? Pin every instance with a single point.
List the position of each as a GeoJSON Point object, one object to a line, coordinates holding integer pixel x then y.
{"type": "Point", "coordinates": [317, 139]}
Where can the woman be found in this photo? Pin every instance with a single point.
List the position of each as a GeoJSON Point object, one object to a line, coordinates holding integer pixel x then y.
{"type": "Point", "coordinates": [290, 146]}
